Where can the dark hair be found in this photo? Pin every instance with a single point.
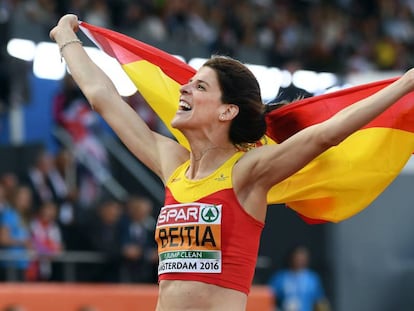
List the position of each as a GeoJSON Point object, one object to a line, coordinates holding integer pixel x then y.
{"type": "Point", "coordinates": [239, 87]}
{"type": "Point", "coordinates": [291, 253]}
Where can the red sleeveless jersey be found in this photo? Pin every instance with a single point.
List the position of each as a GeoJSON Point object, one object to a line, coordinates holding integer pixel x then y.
{"type": "Point", "coordinates": [204, 234]}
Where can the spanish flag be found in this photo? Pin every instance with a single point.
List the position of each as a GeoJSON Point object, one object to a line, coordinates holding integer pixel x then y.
{"type": "Point", "coordinates": [336, 185]}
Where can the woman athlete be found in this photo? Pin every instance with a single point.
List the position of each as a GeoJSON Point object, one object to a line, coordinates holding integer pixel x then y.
{"type": "Point", "coordinates": [209, 229]}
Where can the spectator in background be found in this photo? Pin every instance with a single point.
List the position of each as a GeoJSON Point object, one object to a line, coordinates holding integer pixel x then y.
{"type": "Point", "coordinates": [68, 211]}
{"type": "Point", "coordinates": [139, 250]}
{"type": "Point", "coordinates": [297, 288]}
{"type": "Point", "coordinates": [51, 181]}
{"type": "Point", "coordinates": [47, 242]}
{"type": "Point", "coordinates": [139, 21]}
{"type": "Point", "coordinates": [15, 236]}
{"type": "Point", "coordinates": [64, 196]}
{"type": "Point", "coordinates": [177, 20]}
{"type": "Point", "coordinates": [34, 17]}
{"type": "Point", "coordinates": [3, 201]}
{"type": "Point", "coordinates": [97, 13]}
{"type": "Point", "coordinates": [104, 236]}
{"type": "Point", "coordinates": [40, 179]}
{"type": "Point", "coordinates": [9, 182]}
{"type": "Point", "coordinates": [4, 205]}
{"type": "Point", "coordinates": [72, 113]}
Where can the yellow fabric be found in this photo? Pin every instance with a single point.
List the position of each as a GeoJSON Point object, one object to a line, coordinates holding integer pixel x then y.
{"type": "Point", "coordinates": [309, 191]}
{"type": "Point", "coordinates": [160, 91]}
{"type": "Point", "coordinates": [193, 190]}
{"type": "Point", "coordinates": [338, 184]}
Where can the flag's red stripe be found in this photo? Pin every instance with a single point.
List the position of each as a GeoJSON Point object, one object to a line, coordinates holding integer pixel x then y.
{"type": "Point", "coordinates": [127, 50]}
{"type": "Point", "coordinates": [311, 221]}
{"type": "Point", "coordinates": [286, 121]}
{"type": "Point", "coordinates": [283, 122]}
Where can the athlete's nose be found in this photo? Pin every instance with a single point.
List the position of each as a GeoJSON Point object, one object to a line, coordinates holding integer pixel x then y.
{"type": "Point", "coordinates": [185, 89]}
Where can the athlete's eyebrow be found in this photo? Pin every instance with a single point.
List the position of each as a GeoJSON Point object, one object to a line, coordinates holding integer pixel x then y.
{"type": "Point", "coordinates": [200, 81]}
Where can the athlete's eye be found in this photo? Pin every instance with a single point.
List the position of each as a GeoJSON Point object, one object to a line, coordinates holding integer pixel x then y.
{"type": "Point", "coordinates": [201, 87]}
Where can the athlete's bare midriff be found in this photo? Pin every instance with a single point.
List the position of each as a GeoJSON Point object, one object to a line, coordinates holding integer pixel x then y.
{"type": "Point", "coordinates": [198, 296]}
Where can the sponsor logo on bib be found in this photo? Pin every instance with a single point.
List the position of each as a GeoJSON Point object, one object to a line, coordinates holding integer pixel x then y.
{"type": "Point", "coordinates": [189, 238]}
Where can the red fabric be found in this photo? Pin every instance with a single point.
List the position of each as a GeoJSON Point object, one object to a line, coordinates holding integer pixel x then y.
{"type": "Point", "coordinates": [291, 118]}
{"type": "Point", "coordinates": [281, 123]}
{"type": "Point", "coordinates": [133, 50]}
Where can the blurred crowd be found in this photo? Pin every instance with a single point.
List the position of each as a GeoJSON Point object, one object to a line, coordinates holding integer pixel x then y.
{"type": "Point", "coordinates": [56, 214]}
{"type": "Point", "coordinates": [326, 35]}
{"type": "Point", "coordinates": [44, 226]}
{"type": "Point", "coordinates": [339, 36]}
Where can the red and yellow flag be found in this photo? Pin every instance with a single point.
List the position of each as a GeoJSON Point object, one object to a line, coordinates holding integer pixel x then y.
{"type": "Point", "coordinates": [346, 178]}
{"type": "Point", "coordinates": [339, 183]}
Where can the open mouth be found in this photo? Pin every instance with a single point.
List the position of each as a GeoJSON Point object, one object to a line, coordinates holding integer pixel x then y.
{"type": "Point", "coordinates": [183, 106]}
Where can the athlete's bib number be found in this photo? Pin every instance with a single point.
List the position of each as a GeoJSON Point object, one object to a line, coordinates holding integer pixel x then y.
{"type": "Point", "coordinates": [189, 238]}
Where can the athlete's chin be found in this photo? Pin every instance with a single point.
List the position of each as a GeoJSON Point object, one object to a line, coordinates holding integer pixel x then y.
{"type": "Point", "coordinates": [175, 123]}
{"type": "Point", "coordinates": [179, 123]}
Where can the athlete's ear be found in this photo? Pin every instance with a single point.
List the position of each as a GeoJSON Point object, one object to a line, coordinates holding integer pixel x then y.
{"type": "Point", "coordinates": [229, 112]}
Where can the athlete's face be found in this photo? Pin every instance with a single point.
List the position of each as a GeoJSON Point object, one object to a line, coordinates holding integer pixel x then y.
{"type": "Point", "coordinates": [200, 101]}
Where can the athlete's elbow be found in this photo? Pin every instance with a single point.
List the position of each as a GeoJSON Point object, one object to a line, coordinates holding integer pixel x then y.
{"type": "Point", "coordinates": [97, 97]}
{"type": "Point", "coordinates": [331, 139]}
{"type": "Point", "coordinates": [329, 134]}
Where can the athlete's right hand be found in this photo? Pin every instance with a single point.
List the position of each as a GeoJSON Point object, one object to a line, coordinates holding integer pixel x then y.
{"type": "Point", "coordinates": [67, 22]}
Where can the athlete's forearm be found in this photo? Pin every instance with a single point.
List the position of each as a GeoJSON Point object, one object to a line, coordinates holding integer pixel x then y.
{"type": "Point", "coordinates": [359, 114]}
{"type": "Point", "coordinates": [94, 83]}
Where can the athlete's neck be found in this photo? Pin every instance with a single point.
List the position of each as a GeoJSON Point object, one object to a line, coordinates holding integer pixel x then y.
{"type": "Point", "coordinates": [206, 160]}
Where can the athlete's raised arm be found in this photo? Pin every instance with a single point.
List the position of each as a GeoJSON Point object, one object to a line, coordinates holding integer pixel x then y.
{"type": "Point", "coordinates": [269, 165]}
{"type": "Point", "coordinates": [159, 153]}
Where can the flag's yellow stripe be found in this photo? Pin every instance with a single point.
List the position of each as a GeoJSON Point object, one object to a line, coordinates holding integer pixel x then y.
{"type": "Point", "coordinates": [356, 172]}
{"type": "Point", "coordinates": [380, 154]}
{"type": "Point", "coordinates": [160, 91]}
